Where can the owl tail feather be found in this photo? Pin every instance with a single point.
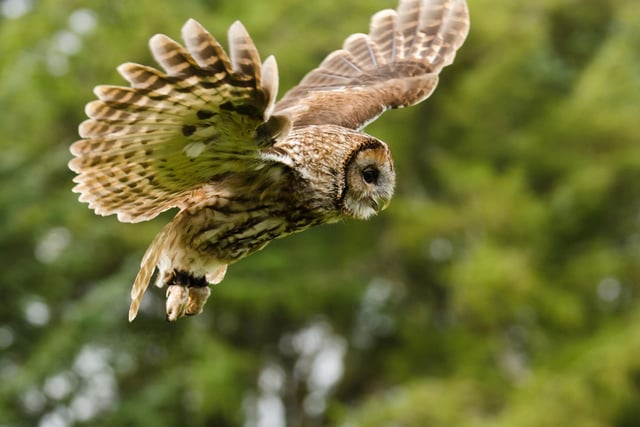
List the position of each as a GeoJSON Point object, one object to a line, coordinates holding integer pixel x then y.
{"type": "Point", "coordinates": [148, 265]}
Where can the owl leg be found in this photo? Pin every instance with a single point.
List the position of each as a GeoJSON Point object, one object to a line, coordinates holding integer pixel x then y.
{"type": "Point", "coordinates": [177, 294]}
{"type": "Point", "coordinates": [198, 294]}
{"type": "Point", "coordinates": [177, 298]}
{"type": "Point", "coordinates": [197, 298]}
{"type": "Point", "coordinates": [199, 290]}
{"type": "Point", "coordinates": [186, 294]}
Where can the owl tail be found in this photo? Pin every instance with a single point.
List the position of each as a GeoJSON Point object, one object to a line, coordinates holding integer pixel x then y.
{"type": "Point", "coordinates": [148, 265]}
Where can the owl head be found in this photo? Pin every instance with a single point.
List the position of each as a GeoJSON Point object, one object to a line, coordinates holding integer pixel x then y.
{"type": "Point", "coordinates": [369, 180]}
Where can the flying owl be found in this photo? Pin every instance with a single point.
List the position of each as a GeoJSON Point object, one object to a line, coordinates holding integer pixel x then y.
{"type": "Point", "coordinates": [207, 136]}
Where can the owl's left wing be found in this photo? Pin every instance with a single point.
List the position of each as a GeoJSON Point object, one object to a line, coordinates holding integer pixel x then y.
{"type": "Point", "coordinates": [147, 147]}
{"type": "Point", "coordinates": [395, 65]}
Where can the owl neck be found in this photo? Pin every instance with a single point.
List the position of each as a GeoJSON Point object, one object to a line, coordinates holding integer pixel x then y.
{"type": "Point", "coordinates": [320, 155]}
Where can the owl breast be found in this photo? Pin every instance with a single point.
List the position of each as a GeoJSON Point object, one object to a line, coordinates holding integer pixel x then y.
{"type": "Point", "coordinates": [231, 235]}
{"type": "Point", "coordinates": [225, 226]}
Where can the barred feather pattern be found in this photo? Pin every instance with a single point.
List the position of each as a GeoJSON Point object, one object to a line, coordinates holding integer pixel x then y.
{"type": "Point", "coordinates": [147, 147]}
{"type": "Point", "coordinates": [205, 135]}
{"type": "Point", "coordinates": [395, 65]}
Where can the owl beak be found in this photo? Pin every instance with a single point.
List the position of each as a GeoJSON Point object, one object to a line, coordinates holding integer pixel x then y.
{"type": "Point", "coordinates": [379, 204]}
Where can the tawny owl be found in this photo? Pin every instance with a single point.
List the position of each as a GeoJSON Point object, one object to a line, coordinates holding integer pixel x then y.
{"type": "Point", "coordinates": [207, 137]}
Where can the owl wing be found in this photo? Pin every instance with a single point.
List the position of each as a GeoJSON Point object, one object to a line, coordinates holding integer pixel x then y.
{"type": "Point", "coordinates": [147, 147]}
{"type": "Point", "coordinates": [395, 65]}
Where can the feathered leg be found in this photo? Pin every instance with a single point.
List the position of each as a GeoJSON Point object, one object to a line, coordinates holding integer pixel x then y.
{"type": "Point", "coordinates": [187, 294]}
{"type": "Point", "coordinates": [187, 291]}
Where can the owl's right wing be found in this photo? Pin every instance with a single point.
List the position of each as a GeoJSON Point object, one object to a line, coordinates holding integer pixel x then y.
{"type": "Point", "coordinates": [395, 65]}
{"type": "Point", "coordinates": [147, 147]}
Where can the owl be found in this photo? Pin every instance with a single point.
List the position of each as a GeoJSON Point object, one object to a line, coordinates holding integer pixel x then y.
{"type": "Point", "coordinates": [205, 135]}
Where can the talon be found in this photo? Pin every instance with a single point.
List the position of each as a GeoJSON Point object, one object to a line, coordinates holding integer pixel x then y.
{"type": "Point", "coordinates": [177, 299]}
{"type": "Point", "coordinates": [197, 298]}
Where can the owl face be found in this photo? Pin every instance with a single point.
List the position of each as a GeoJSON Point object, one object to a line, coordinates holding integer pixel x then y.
{"type": "Point", "coordinates": [369, 181]}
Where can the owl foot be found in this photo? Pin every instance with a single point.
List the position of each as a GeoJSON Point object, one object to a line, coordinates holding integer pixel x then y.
{"type": "Point", "coordinates": [197, 298]}
{"type": "Point", "coordinates": [177, 300]}
{"type": "Point", "coordinates": [185, 301]}
{"type": "Point", "coordinates": [186, 294]}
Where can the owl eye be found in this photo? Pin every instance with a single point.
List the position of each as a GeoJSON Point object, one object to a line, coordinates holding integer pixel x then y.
{"type": "Point", "coordinates": [370, 175]}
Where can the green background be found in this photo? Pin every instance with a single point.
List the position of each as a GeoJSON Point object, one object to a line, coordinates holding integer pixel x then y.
{"type": "Point", "coordinates": [500, 288]}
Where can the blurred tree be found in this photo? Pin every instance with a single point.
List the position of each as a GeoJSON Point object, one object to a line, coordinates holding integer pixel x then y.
{"type": "Point", "coordinates": [500, 287]}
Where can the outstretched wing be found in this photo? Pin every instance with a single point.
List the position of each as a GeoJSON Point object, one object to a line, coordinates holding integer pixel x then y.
{"type": "Point", "coordinates": [147, 147]}
{"type": "Point", "coordinates": [395, 65]}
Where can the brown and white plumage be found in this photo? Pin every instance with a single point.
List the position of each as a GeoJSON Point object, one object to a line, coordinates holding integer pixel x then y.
{"type": "Point", "coordinates": [206, 136]}
{"type": "Point", "coordinates": [395, 65]}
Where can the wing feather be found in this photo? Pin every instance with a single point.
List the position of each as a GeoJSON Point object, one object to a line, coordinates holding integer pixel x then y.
{"type": "Point", "coordinates": [382, 34]}
{"type": "Point", "coordinates": [395, 65]}
{"type": "Point", "coordinates": [147, 147]}
{"type": "Point", "coordinates": [364, 51]}
{"type": "Point", "coordinates": [244, 55]}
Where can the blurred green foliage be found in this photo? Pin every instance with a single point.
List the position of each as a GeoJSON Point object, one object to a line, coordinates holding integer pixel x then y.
{"type": "Point", "coordinates": [499, 289]}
